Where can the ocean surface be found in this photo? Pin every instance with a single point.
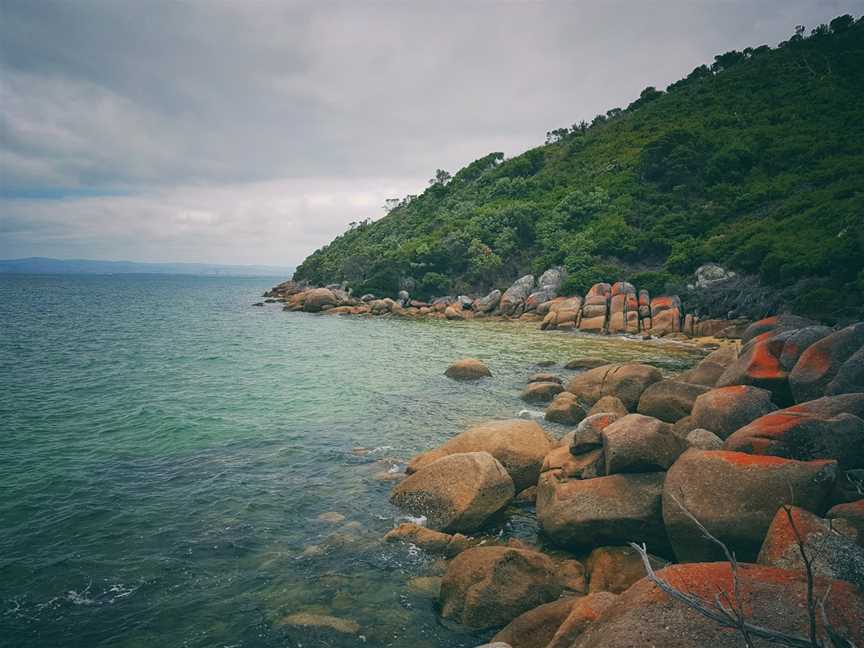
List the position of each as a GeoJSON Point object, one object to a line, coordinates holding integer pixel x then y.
{"type": "Point", "coordinates": [166, 450]}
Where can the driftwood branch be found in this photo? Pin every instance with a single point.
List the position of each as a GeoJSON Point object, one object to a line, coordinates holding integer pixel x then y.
{"type": "Point", "coordinates": [728, 611]}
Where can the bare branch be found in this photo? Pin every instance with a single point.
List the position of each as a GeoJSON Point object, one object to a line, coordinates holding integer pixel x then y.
{"type": "Point", "coordinates": [698, 605]}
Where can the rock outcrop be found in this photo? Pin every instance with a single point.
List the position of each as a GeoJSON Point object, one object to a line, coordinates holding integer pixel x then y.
{"type": "Point", "coordinates": [624, 381]}
{"type": "Point", "coordinates": [669, 400]}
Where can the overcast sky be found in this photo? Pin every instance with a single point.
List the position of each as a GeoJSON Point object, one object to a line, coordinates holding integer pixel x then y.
{"type": "Point", "coordinates": [253, 132]}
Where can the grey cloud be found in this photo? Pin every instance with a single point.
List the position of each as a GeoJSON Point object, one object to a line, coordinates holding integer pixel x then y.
{"type": "Point", "coordinates": [159, 99]}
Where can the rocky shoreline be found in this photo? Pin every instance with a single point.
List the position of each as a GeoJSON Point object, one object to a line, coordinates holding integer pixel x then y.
{"type": "Point", "coordinates": [613, 308]}
{"type": "Point", "coordinates": [721, 506]}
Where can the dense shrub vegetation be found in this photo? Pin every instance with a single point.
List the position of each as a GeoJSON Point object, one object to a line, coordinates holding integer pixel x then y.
{"type": "Point", "coordinates": [756, 162]}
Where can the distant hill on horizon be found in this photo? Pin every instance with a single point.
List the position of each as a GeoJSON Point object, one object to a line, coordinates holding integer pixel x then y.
{"type": "Point", "coordinates": [44, 265]}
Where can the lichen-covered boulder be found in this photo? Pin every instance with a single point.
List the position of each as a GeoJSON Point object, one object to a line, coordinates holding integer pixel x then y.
{"type": "Point", "coordinates": [488, 303]}
{"type": "Point", "coordinates": [833, 554]}
{"type": "Point", "coordinates": [797, 341]}
{"type": "Point", "coordinates": [821, 362]}
{"type": "Point", "coordinates": [669, 400]}
{"type": "Point", "coordinates": [458, 492]}
{"type": "Point", "coordinates": [564, 311]}
{"type": "Point", "coordinates": [775, 324]}
{"type": "Point", "coordinates": [726, 409]}
{"type": "Point", "coordinates": [625, 381]}
{"type": "Point", "coordinates": [735, 496]}
{"type": "Point", "coordinates": [520, 445]}
{"type": "Point", "coordinates": [485, 587]}
{"type": "Point", "coordinates": [804, 437]}
{"type": "Point", "coordinates": [584, 611]}
{"type": "Point", "coordinates": [605, 510]}
{"type": "Point", "coordinates": [595, 308]}
{"type": "Point", "coordinates": [759, 366]}
{"type": "Point", "coordinates": [467, 369]}
{"type": "Point", "coordinates": [638, 444]}
{"type": "Point", "coordinates": [513, 300]}
{"type": "Point", "coordinates": [850, 376]}
{"type": "Point", "coordinates": [774, 598]}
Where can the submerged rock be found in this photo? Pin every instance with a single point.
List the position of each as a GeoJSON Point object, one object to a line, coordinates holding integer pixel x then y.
{"type": "Point", "coordinates": [467, 369]}
{"type": "Point", "coordinates": [321, 621]}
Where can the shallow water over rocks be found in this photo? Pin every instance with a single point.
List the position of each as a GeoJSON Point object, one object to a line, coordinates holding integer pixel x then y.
{"type": "Point", "coordinates": [180, 468]}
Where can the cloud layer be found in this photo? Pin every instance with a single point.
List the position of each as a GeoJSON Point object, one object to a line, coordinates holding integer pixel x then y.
{"type": "Point", "coordinates": [254, 132]}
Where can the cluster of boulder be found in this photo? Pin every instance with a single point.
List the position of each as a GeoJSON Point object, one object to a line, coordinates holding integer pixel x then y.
{"type": "Point", "coordinates": [762, 445]}
{"type": "Point", "coordinates": [617, 308]}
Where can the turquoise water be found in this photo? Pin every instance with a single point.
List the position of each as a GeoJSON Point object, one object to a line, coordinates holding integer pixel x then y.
{"type": "Point", "coordinates": [166, 450]}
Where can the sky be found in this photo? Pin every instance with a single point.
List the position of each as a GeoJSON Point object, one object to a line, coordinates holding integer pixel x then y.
{"type": "Point", "coordinates": [253, 132]}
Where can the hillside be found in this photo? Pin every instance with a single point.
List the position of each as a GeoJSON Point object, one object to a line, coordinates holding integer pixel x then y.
{"type": "Point", "coordinates": [756, 162]}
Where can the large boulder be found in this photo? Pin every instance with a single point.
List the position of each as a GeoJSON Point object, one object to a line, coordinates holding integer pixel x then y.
{"type": "Point", "coordinates": [589, 433]}
{"type": "Point", "coordinates": [710, 274]}
{"type": "Point", "coordinates": [488, 303]}
{"type": "Point", "coordinates": [735, 496]}
{"type": "Point", "coordinates": [458, 492]}
{"type": "Point", "coordinates": [520, 445]}
{"type": "Point", "coordinates": [608, 405]}
{"type": "Point", "coordinates": [626, 381]}
{"type": "Point", "coordinates": [774, 324]}
{"type": "Point", "coordinates": [317, 298]}
{"type": "Point", "coordinates": [759, 366]}
{"type": "Point", "coordinates": [467, 369]}
{"type": "Point", "coordinates": [485, 587]}
{"type": "Point", "coordinates": [535, 628]}
{"type": "Point", "coordinates": [585, 465]}
{"type": "Point", "coordinates": [605, 510]}
{"type": "Point", "coordinates": [584, 611]}
{"type": "Point", "coordinates": [665, 315]}
{"type": "Point", "coordinates": [551, 280]}
{"type": "Point", "coordinates": [850, 376]}
{"type": "Point", "coordinates": [797, 341]}
{"type": "Point", "coordinates": [833, 555]}
{"type": "Point", "coordinates": [804, 437]}
{"type": "Point", "coordinates": [669, 400]}
{"type": "Point", "coordinates": [821, 362]}
{"type": "Point", "coordinates": [726, 409]}
{"type": "Point", "coordinates": [566, 409]}
{"type": "Point", "coordinates": [773, 598]}
{"type": "Point", "coordinates": [711, 367]}
{"type": "Point", "coordinates": [513, 300]}
{"type": "Point", "coordinates": [596, 308]}
{"type": "Point", "coordinates": [638, 444]}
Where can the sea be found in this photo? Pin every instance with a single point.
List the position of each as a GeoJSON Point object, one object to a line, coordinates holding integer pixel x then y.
{"type": "Point", "coordinates": [180, 468]}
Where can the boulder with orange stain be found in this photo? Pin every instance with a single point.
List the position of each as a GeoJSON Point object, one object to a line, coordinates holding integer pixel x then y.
{"type": "Point", "coordinates": [774, 324]}
{"type": "Point", "coordinates": [803, 436]}
{"type": "Point", "coordinates": [735, 496]}
{"type": "Point", "coordinates": [726, 409]}
{"type": "Point", "coordinates": [759, 366]}
{"type": "Point", "coordinates": [820, 363]}
{"type": "Point", "coordinates": [832, 554]}
{"type": "Point", "coordinates": [774, 598]}
{"type": "Point", "coordinates": [665, 315]}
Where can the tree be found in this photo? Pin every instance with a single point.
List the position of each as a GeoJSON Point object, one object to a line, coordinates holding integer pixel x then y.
{"type": "Point", "coordinates": [441, 178]}
{"type": "Point", "coordinates": [390, 204]}
{"type": "Point", "coordinates": [841, 23]}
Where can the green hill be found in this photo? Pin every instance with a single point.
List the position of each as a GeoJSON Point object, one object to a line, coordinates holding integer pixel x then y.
{"type": "Point", "coordinates": [756, 162]}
